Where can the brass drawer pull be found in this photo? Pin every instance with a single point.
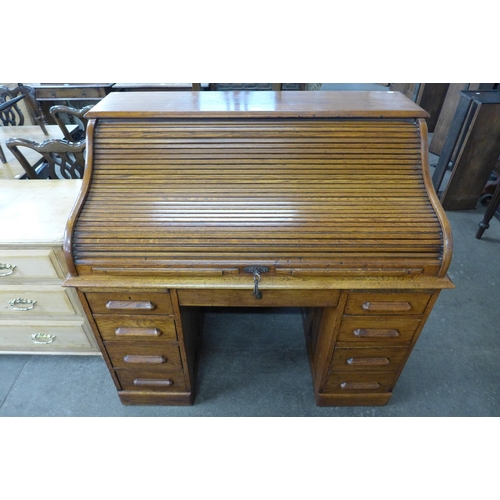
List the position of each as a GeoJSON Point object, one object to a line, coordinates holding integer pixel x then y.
{"type": "Point", "coordinates": [26, 304]}
{"type": "Point", "coordinates": [144, 382]}
{"type": "Point", "coordinates": [368, 361]}
{"type": "Point", "coordinates": [42, 338]}
{"type": "Point", "coordinates": [130, 304]}
{"type": "Point", "coordinates": [386, 306]}
{"type": "Point", "coordinates": [152, 332]}
{"type": "Point", "coordinates": [9, 268]}
{"type": "Point", "coordinates": [360, 386]}
{"type": "Point", "coordinates": [151, 360]}
{"type": "Point", "coordinates": [375, 333]}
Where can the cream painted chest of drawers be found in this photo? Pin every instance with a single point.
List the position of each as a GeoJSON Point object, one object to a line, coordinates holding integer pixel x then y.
{"type": "Point", "coordinates": [38, 315]}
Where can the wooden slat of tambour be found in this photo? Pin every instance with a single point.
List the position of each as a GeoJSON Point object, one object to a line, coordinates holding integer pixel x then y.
{"type": "Point", "coordinates": [301, 174]}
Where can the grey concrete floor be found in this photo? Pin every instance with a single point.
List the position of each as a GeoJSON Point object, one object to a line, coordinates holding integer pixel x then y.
{"type": "Point", "coordinates": [255, 363]}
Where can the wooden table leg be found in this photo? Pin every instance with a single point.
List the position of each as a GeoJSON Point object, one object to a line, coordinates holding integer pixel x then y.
{"type": "Point", "coordinates": [490, 212]}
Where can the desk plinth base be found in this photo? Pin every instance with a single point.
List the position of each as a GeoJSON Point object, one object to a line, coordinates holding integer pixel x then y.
{"type": "Point", "coordinates": [156, 398]}
{"type": "Point", "coordinates": [379, 399]}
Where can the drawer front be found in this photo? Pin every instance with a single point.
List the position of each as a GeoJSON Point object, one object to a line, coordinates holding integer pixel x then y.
{"type": "Point", "coordinates": [387, 303]}
{"type": "Point", "coordinates": [133, 303]}
{"type": "Point", "coordinates": [145, 380]}
{"type": "Point", "coordinates": [382, 330]}
{"type": "Point", "coordinates": [158, 357]}
{"type": "Point", "coordinates": [29, 301]}
{"type": "Point", "coordinates": [69, 93]}
{"type": "Point", "coordinates": [352, 383]}
{"type": "Point", "coordinates": [22, 265]}
{"type": "Point", "coordinates": [136, 327]}
{"type": "Point", "coordinates": [44, 338]}
{"type": "Point", "coordinates": [270, 298]}
{"type": "Point", "coordinates": [387, 359]}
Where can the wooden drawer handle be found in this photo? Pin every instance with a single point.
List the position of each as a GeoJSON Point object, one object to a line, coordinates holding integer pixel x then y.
{"type": "Point", "coordinates": [375, 333]}
{"type": "Point", "coordinates": [360, 386]}
{"type": "Point", "coordinates": [368, 361]}
{"type": "Point", "coordinates": [386, 306]}
{"type": "Point", "coordinates": [146, 382]}
{"type": "Point", "coordinates": [152, 332]}
{"type": "Point", "coordinates": [130, 304]}
{"type": "Point", "coordinates": [150, 360]}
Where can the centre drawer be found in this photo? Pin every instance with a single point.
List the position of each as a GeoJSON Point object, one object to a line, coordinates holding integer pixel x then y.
{"type": "Point", "coordinates": [270, 298]}
{"type": "Point", "coordinates": [158, 357]}
{"type": "Point", "coordinates": [384, 330]}
{"type": "Point", "coordinates": [130, 303]}
{"type": "Point", "coordinates": [142, 328]}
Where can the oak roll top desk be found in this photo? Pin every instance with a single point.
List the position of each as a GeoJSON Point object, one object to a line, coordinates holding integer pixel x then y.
{"type": "Point", "coordinates": [316, 200]}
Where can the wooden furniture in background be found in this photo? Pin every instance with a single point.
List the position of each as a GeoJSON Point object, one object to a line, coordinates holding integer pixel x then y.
{"type": "Point", "coordinates": [74, 94]}
{"type": "Point", "coordinates": [10, 112]}
{"type": "Point", "coordinates": [38, 315]}
{"type": "Point", "coordinates": [490, 211]}
{"type": "Point", "coordinates": [6, 110]}
{"type": "Point", "coordinates": [154, 87]}
{"type": "Point", "coordinates": [316, 200]}
{"type": "Point", "coordinates": [256, 86]}
{"type": "Point", "coordinates": [72, 115]}
{"type": "Point", "coordinates": [473, 145]}
{"type": "Point", "coordinates": [429, 96]}
{"type": "Point", "coordinates": [60, 159]}
{"type": "Point", "coordinates": [12, 169]}
{"type": "Point", "coordinates": [448, 112]}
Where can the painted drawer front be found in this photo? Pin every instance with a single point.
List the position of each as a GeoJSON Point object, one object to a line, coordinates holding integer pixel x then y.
{"type": "Point", "coordinates": [133, 303]}
{"type": "Point", "coordinates": [43, 338]}
{"type": "Point", "coordinates": [146, 380]}
{"type": "Point", "coordinates": [387, 359]}
{"type": "Point", "coordinates": [140, 328]}
{"type": "Point", "coordinates": [31, 300]}
{"type": "Point", "coordinates": [382, 330]}
{"type": "Point", "coordinates": [360, 382]}
{"type": "Point", "coordinates": [158, 357]}
{"type": "Point", "coordinates": [17, 265]}
{"type": "Point", "coordinates": [386, 303]}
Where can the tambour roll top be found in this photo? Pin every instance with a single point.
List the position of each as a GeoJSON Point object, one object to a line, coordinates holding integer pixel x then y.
{"type": "Point", "coordinates": [306, 183]}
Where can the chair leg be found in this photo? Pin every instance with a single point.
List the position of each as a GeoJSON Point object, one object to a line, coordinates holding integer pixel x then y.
{"type": "Point", "coordinates": [490, 212]}
{"type": "Point", "coordinates": [2, 155]}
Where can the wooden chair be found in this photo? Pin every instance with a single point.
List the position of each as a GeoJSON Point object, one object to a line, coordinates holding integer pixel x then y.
{"type": "Point", "coordinates": [14, 116]}
{"type": "Point", "coordinates": [10, 112]}
{"type": "Point", "coordinates": [60, 159]}
{"type": "Point", "coordinates": [75, 115]}
{"type": "Point", "coordinates": [5, 112]}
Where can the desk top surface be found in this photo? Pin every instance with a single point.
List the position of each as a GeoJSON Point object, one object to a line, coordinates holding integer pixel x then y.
{"type": "Point", "coordinates": [262, 104]}
{"type": "Point", "coordinates": [35, 212]}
